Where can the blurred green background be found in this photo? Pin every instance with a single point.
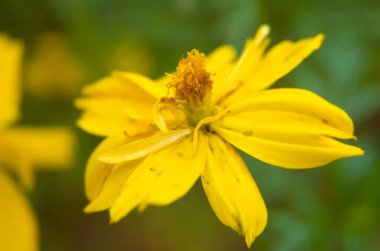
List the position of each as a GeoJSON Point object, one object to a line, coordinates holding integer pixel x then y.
{"type": "Point", "coordinates": [72, 43]}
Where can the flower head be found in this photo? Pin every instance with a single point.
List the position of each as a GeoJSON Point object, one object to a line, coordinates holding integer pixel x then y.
{"type": "Point", "coordinates": [163, 135]}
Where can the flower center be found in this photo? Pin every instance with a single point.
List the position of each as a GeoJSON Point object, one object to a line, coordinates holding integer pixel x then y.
{"type": "Point", "coordinates": [191, 81]}
{"type": "Point", "coordinates": [190, 87]}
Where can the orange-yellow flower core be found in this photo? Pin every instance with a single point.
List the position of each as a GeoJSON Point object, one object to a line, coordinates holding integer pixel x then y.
{"type": "Point", "coordinates": [191, 81]}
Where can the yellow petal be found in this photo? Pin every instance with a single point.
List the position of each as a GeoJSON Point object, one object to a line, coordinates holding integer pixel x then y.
{"type": "Point", "coordinates": [112, 186]}
{"type": "Point", "coordinates": [96, 171]}
{"type": "Point", "coordinates": [142, 147]}
{"type": "Point", "coordinates": [43, 146]}
{"type": "Point", "coordinates": [290, 150]}
{"type": "Point", "coordinates": [118, 103]}
{"type": "Point", "coordinates": [148, 85]}
{"type": "Point", "coordinates": [221, 87]}
{"type": "Point", "coordinates": [10, 65]}
{"type": "Point", "coordinates": [164, 80]}
{"type": "Point", "coordinates": [296, 101]}
{"type": "Point", "coordinates": [18, 228]}
{"type": "Point", "coordinates": [203, 122]}
{"type": "Point", "coordinates": [266, 123]}
{"type": "Point", "coordinates": [287, 128]}
{"type": "Point", "coordinates": [115, 108]}
{"type": "Point", "coordinates": [279, 61]}
{"type": "Point", "coordinates": [243, 68]}
{"type": "Point", "coordinates": [220, 58]}
{"type": "Point", "coordinates": [107, 126]}
{"type": "Point", "coordinates": [232, 192]}
{"type": "Point", "coordinates": [125, 84]}
{"type": "Point", "coordinates": [26, 148]}
{"type": "Point", "coordinates": [161, 178]}
{"type": "Point", "coordinates": [251, 55]}
{"type": "Point", "coordinates": [102, 126]}
{"type": "Point", "coordinates": [220, 64]}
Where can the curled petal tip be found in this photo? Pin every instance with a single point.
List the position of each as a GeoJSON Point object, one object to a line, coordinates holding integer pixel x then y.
{"type": "Point", "coordinates": [360, 151]}
{"type": "Point", "coordinates": [113, 219]}
{"type": "Point", "coordinates": [87, 209]}
{"type": "Point", "coordinates": [249, 241]}
{"type": "Point", "coordinates": [265, 29]}
{"type": "Point", "coordinates": [319, 38]}
{"type": "Point", "coordinates": [261, 34]}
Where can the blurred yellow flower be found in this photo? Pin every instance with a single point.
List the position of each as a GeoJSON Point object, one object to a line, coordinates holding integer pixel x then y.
{"type": "Point", "coordinates": [163, 135]}
{"type": "Point", "coordinates": [22, 149]}
{"type": "Point", "coordinates": [53, 70]}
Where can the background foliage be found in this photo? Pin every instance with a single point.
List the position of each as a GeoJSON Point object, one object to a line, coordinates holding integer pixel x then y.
{"type": "Point", "coordinates": [72, 43]}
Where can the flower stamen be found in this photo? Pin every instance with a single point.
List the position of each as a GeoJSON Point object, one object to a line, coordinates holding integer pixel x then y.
{"type": "Point", "coordinates": [191, 82]}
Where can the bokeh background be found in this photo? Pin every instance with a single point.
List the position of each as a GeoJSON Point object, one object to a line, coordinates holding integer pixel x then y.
{"type": "Point", "coordinates": [72, 43]}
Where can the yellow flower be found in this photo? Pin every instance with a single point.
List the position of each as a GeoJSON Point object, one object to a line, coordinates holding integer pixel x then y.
{"type": "Point", "coordinates": [162, 135]}
{"type": "Point", "coordinates": [21, 149]}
